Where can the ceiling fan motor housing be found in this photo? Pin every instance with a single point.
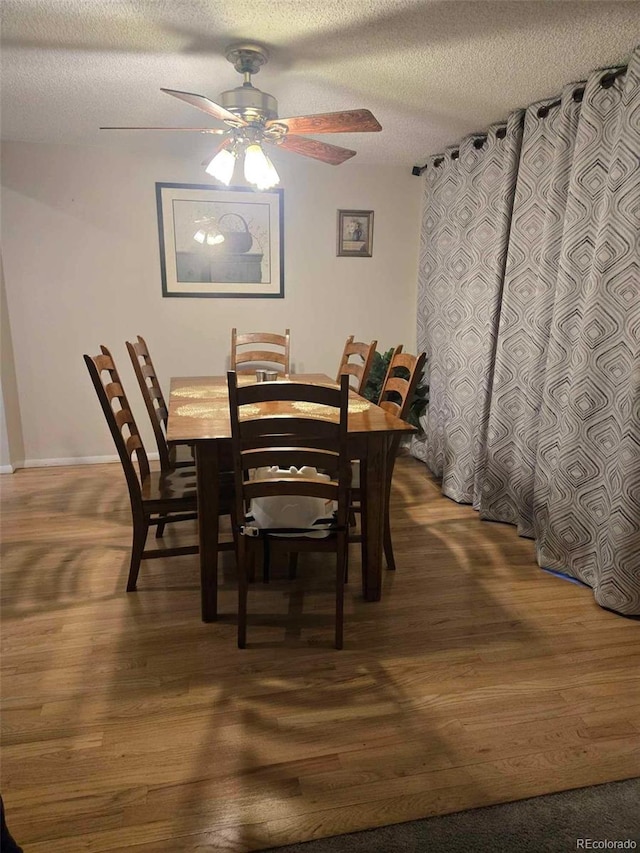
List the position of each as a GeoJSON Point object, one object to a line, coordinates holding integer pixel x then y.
{"type": "Point", "coordinates": [250, 103]}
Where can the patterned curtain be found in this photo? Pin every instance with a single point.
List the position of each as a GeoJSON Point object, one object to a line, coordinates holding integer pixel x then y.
{"type": "Point", "coordinates": [587, 484]}
{"type": "Point", "coordinates": [562, 452]}
{"type": "Point", "coordinates": [527, 305]}
{"type": "Point", "coordinates": [468, 201]}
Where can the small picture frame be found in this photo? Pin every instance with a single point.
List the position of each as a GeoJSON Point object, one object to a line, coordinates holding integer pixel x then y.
{"type": "Point", "coordinates": [355, 233]}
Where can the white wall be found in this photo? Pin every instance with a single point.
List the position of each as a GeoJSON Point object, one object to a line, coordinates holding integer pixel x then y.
{"type": "Point", "coordinates": [11, 446]}
{"type": "Point", "coordinates": [81, 262]}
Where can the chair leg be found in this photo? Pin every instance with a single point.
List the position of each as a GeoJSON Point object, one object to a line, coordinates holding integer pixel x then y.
{"type": "Point", "coordinates": [160, 528]}
{"type": "Point", "coordinates": [388, 546]}
{"type": "Point", "coordinates": [251, 565]}
{"type": "Point", "coordinates": [364, 542]}
{"type": "Point", "coordinates": [266, 560]}
{"type": "Point", "coordinates": [293, 565]}
{"type": "Point", "coordinates": [140, 529]}
{"type": "Point", "coordinates": [341, 566]}
{"type": "Point", "coordinates": [243, 588]}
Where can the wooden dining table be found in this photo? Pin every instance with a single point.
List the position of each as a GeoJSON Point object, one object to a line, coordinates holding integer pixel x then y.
{"type": "Point", "coordinates": [199, 414]}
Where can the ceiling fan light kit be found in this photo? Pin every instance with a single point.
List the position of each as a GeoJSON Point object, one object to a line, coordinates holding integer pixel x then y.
{"type": "Point", "coordinates": [252, 120]}
{"type": "Point", "coordinates": [222, 166]}
{"type": "Point", "coordinates": [258, 168]}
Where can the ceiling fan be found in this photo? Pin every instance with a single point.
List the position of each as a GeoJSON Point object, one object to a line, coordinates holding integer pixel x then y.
{"type": "Point", "coordinates": [252, 119]}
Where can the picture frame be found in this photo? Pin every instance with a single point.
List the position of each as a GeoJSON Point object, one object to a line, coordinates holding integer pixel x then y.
{"type": "Point", "coordinates": [355, 233]}
{"type": "Point", "coordinates": [221, 242]}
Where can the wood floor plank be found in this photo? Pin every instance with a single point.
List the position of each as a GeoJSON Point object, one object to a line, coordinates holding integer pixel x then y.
{"type": "Point", "coordinates": [128, 724]}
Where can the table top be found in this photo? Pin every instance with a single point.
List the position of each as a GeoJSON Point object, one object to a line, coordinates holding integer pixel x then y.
{"type": "Point", "coordinates": [199, 408]}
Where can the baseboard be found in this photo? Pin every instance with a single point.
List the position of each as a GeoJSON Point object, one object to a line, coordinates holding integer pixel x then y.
{"type": "Point", "coordinates": [7, 469]}
{"type": "Point", "coordinates": [68, 460]}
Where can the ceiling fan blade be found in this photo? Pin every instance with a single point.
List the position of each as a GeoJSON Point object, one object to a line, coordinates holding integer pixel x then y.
{"type": "Point", "coordinates": [207, 106]}
{"type": "Point", "coordinates": [191, 129]}
{"type": "Point", "coordinates": [332, 154]}
{"type": "Point", "coordinates": [224, 144]}
{"type": "Point", "coordinates": [347, 121]}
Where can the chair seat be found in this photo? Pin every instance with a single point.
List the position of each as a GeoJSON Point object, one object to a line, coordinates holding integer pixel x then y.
{"type": "Point", "coordinates": [297, 513]}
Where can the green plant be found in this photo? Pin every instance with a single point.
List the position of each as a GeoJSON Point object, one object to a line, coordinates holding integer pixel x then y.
{"type": "Point", "coordinates": [376, 378]}
{"type": "Point", "coordinates": [378, 371]}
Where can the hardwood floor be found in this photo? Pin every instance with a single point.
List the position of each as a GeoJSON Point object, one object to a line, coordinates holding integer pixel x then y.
{"type": "Point", "coordinates": [129, 725]}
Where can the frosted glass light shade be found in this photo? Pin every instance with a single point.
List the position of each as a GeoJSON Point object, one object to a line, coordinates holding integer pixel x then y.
{"type": "Point", "coordinates": [272, 176]}
{"type": "Point", "coordinates": [222, 166]}
{"type": "Point", "coordinates": [258, 169]}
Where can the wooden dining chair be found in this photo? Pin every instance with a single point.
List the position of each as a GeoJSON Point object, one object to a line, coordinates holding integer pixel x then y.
{"type": "Point", "coordinates": [401, 380]}
{"type": "Point", "coordinates": [171, 455]}
{"type": "Point", "coordinates": [357, 370]}
{"type": "Point", "coordinates": [262, 357]}
{"type": "Point", "coordinates": [156, 497]}
{"type": "Point", "coordinates": [316, 436]}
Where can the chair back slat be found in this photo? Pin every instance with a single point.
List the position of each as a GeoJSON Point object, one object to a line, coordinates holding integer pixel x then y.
{"type": "Point", "coordinates": [391, 407]}
{"type": "Point", "coordinates": [361, 367]}
{"type": "Point", "coordinates": [260, 358]}
{"type": "Point", "coordinates": [404, 359]}
{"type": "Point", "coordinates": [123, 417]}
{"type": "Point", "coordinates": [301, 427]}
{"type": "Point", "coordinates": [133, 444]}
{"type": "Point", "coordinates": [260, 338]}
{"type": "Point", "coordinates": [103, 362]}
{"type": "Point", "coordinates": [323, 395]}
{"type": "Point", "coordinates": [352, 369]}
{"type": "Point", "coordinates": [113, 389]}
{"type": "Point", "coordinates": [153, 397]}
{"type": "Point", "coordinates": [119, 420]}
{"type": "Point", "coordinates": [397, 384]}
{"type": "Point", "coordinates": [294, 486]}
{"type": "Point", "coordinates": [266, 457]}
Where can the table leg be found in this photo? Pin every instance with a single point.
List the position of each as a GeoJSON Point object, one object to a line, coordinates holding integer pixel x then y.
{"type": "Point", "coordinates": [374, 467]}
{"type": "Point", "coordinates": [207, 480]}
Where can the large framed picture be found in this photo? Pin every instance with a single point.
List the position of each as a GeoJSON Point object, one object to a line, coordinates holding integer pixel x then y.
{"type": "Point", "coordinates": [355, 233]}
{"type": "Point", "coordinates": [220, 242]}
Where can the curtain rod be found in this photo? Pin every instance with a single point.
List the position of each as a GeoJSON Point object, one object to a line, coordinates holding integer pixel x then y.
{"type": "Point", "coordinates": [606, 82]}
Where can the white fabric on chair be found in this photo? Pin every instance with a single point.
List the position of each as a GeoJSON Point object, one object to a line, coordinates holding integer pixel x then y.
{"type": "Point", "coordinates": [292, 510]}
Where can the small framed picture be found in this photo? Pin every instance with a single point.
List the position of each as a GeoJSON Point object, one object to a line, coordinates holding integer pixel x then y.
{"type": "Point", "coordinates": [355, 233]}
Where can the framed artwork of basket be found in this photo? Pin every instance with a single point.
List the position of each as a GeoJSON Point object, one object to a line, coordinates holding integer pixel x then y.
{"type": "Point", "coordinates": [220, 242]}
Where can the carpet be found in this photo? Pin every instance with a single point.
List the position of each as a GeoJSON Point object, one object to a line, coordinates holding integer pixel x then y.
{"type": "Point", "coordinates": [582, 819]}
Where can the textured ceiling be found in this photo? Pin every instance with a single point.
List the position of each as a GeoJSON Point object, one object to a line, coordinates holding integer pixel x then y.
{"type": "Point", "coordinates": [430, 70]}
